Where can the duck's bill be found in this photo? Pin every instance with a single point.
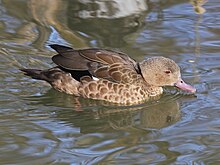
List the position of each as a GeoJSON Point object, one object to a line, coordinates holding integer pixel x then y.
{"type": "Point", "coordinates": [182, 85]}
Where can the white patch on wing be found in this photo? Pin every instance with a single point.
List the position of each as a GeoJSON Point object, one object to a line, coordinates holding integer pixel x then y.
{"type": "Point", "coordinates": [95, 78]}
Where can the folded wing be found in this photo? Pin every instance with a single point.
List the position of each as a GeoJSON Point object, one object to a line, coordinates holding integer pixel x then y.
{"type": "Point", "coordinates": [100, 63]}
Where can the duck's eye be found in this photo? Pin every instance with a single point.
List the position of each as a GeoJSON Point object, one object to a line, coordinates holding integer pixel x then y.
{"type": "Point", "coordinates": [167, 71]}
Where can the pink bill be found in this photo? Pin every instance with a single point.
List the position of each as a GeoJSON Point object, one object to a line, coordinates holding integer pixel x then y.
{"type": "Point", "coordinates": [182, 85]}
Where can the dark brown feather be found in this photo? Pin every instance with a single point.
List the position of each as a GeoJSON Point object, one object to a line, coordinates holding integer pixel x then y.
{"type": "Point", "coordinates": [76, 63]}
{"type": "Point", "coordinates": [60, 48]}
{"type": "Point", "coordinates": [105, 56]}
{"type": "Point", "coordinates": [97, 61]}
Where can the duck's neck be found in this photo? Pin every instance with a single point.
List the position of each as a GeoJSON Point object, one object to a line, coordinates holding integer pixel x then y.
{"type": "Point", "coordinates": [152, 90]}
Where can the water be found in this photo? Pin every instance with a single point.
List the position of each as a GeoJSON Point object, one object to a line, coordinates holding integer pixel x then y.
{"type": "Point", "coordinates": [39, 125]}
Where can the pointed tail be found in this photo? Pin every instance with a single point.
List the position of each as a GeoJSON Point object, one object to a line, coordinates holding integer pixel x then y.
{"type": "Point", "coordinates": [58, 79]}
{"type": "Point", "coordinates": [35, 74]}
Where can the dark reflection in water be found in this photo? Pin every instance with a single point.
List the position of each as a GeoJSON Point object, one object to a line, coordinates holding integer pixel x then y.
{"type": "Point", "coordinates": [102, 23]}
{"type": "Point", "coordinates": [95, 131]}
{"type": "Point", "coordinates": [105, 117]}
{"type": "Point", "coordinates": [98, 19]}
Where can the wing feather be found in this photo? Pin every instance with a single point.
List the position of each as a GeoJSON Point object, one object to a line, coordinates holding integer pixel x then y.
{"type": "Point", "coordinates": [101, 63]}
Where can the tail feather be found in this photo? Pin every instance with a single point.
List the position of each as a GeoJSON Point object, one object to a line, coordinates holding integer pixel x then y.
{"type": "Point", "coordinates": [57, 78]}
{"type": "Point", "coordinates": [34, 73]}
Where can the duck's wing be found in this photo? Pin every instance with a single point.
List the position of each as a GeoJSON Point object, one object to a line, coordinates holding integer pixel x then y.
{"type": "Point", "coordinates": [101, 63]}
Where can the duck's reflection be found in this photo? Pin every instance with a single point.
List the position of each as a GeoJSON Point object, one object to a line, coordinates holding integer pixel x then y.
{"type": "Point", "coordinates": [160, 115]}
{"type": "Point", "coordinates": [96, 116]}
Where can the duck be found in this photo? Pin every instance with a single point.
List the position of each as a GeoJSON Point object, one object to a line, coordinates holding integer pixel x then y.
{"type": "Point", "coordinates": [109, 75]}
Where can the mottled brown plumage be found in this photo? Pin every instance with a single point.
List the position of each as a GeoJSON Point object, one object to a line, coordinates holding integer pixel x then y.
{"type": "Point", "coordinates": [120, 79]}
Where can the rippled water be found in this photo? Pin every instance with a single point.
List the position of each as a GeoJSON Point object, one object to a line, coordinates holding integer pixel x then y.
{"type": "Point", "coordinates": [39, 125]}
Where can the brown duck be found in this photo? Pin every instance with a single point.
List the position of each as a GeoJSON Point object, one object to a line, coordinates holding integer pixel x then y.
{"type": "Point", "coordinates": [109, 75]}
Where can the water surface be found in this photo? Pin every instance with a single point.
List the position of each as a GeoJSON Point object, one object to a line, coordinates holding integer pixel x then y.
{"type": "Point", "coordinates": [39, 125]}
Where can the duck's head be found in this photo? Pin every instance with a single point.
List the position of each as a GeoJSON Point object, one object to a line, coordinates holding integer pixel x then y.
{"type": "Point", "coordinates": [161, 71]}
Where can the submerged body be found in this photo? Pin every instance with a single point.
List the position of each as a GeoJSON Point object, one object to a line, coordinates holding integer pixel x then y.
{"type": "Point", "coordinates": [118, 78]}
